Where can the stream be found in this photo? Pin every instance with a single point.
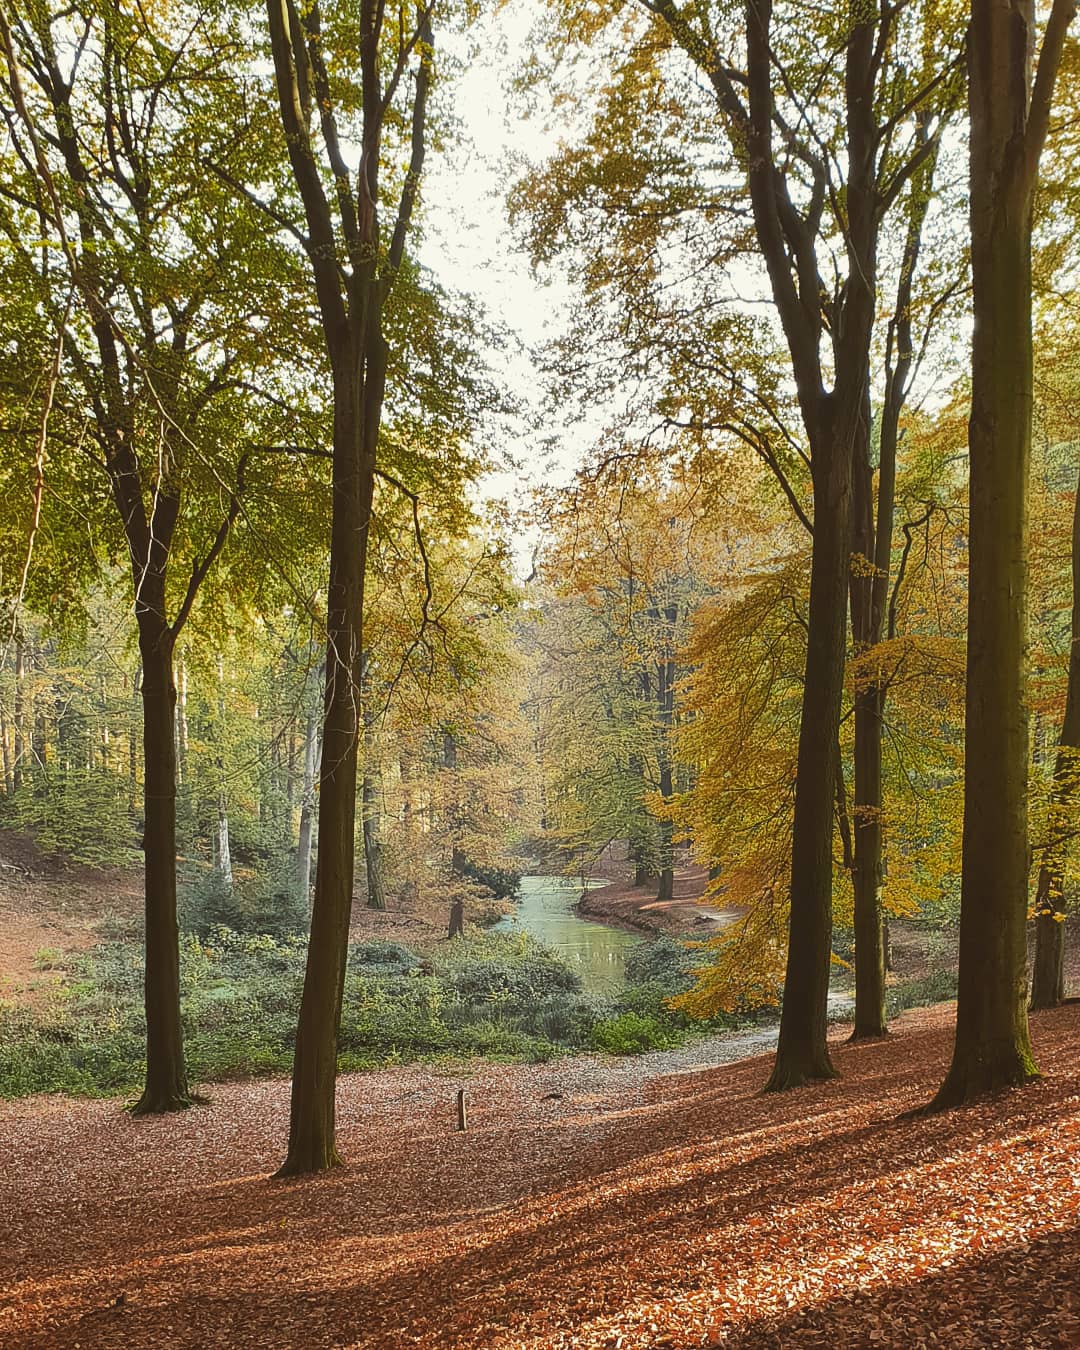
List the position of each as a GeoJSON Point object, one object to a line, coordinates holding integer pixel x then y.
{"type": "Point", "coordinates": [597, 951]}
{"type": "Point", "coordinates": [547, 910]}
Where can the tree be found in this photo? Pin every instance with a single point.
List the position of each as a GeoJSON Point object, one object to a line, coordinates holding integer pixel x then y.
{"type": "Point", "coordinates": [1048, 971]}
{"type": "Point", "coordinates": [156, 352]}
{"type": "Point", "coordinates": [789, 189]}
{"type": "Point", "coordinates": [353, 280]}
{"type": "Point", "coordinates": [1009, 115]}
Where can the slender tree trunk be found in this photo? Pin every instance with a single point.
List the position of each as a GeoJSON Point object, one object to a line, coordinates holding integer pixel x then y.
{"type": "Point", "coordinates": [993, 1048]}
{"type": "Point", "coordinates": [1048, 968]}
{"type": "Point", "coordinates": [133, 742]}
{"type": "Point", "coordinates": [18, 716]}
{"type": "Point", "coordinates": [312, 1146]}
{"type": "Point", "coordinates": [867, 875]}
{"type": "Point", "coordinates": [869, 701]}
{"type": "Point", "coordinates": [665, 696]}
{"type": "Point", "coordinates": [181, 720]}
{"type": "Point", "coordinates": [376, 885]}
{"type": "Point", "coordinates": [868, 709]}
{"type": "Point", "coordinates": [369, 808]}
{"type": "Point", "coordinates": [5, 745]}
{"type": "Point", "coordinates": [1048, 971]}
{"type": "Point", "coordinates": [307, 808]}
{"type": "Point", "coordinates": [166, 1077]}
{"type": "Point", "coordinates": [223, 851]}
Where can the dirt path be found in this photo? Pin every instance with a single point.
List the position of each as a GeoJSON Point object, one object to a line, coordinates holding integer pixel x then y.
{"type": "Point", "coordinates": [592, 1203]}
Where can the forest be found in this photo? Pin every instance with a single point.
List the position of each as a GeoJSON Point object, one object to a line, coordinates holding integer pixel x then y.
{"type": "Point", "coordinates": [539, 673]}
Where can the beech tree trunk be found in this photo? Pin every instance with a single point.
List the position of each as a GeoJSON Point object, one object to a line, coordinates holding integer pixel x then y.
{"type": "Point", "coordinates": [665, 696]}
{"type": "Point", "coordinates": [868, 709]}
{"type": "Point", "coordinates": [802, 1052]}
{"type": "Point", "coordinates": [223, 850]}
{"type": "Point", "coordinates": [18, 715]}
{"type": "Point", "coordinates": [166, 1077]}
{"type": "Point", "coordinates": [1008, 125]}
{"type": "Point", "coordinates": [181, 719]}
{"type": "Point", "coordinates": [369, 809]}
{"type": "Point", "coordinates": [312, 1144]}
{"type": "Point", "coordinates": [1048, 970]}
{"type": "Point", "coordinates": [307, 808]}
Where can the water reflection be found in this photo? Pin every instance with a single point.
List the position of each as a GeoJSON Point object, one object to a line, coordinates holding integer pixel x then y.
{"type": "Point", "coordinates": [546, 910]}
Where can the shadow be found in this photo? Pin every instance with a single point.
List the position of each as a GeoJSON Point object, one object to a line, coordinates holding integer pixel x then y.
{"type": "Point", "coordinates": [554, 1211]}
{"type": "Point", "coordinates": [1029, 1296]}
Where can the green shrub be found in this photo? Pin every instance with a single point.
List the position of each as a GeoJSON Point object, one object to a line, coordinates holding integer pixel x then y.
{"type": "Point", "coordinates": [270, 903]}
{"type": "Point", "coordinates": [501, 966]}
{"type": "Point", "coordinates": [82, 815]}
{"type": "Point", "coordinates": [503, 882]}
{"type": "Point", "coordinates": [631, 1034]}
{"type": "Point", "coordinates": [379, 955]}
{"type": "Point", "coordinates": [938, 986]}
{"type": "Point", "coordinates": [504, 996]}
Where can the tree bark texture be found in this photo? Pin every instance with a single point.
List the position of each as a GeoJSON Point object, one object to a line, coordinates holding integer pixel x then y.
{"type": "Point", "coordinates": [665, 697]}
{"type": "Point", "coordinates": [1048, 970]}
{"type": "Point", "coordinates": [1008, 124]}
{"type": "Point", "coordinates": [307, 808]}
{"type": "Point", "coordinates": [166, 1076]}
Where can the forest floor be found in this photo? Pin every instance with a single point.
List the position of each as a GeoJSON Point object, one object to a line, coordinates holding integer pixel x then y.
{"type": "Point", "coordinates": [50, 907]}
{"type": "Point", "coordinates": [591, 1203]}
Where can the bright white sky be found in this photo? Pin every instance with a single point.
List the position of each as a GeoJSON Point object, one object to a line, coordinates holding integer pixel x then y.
{"type": "Point", "coordinates": [468, 245]}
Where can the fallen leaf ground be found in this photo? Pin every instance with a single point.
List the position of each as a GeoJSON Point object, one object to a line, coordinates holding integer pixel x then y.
{"type": "Point", "coordinates": [630, 1211]}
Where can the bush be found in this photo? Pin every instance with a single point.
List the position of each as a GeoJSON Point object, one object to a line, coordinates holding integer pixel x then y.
{"type": "Point", "coordinates": [82, 815]}
{"type": "Point", "coordinates": [382, 956]}
{"type": "Point", "coordinates": [938, 986]}
{"type": "Point", "coordinates": [502, 995]}
{"type": "Point", "coordinates": [631, 1034]}
{"type": "Point", "coordinates": [504, 966]}
{"type": "Point", "coordinates": [269, 904]}
{"type": "Point", "coordinates": [503, 882]}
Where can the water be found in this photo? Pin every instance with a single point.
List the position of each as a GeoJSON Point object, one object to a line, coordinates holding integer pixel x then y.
{"type": "Point", "coordinates": [595, 950]}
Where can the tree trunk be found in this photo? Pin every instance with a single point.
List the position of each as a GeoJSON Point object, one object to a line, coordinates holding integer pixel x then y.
{"type": "Point", "coordinates": [993, 1048]}
{"type": "Point", "coordinates": [351, 309]}
{"type": "Point", "coordinates": [376, 886]}
{"type": "Point", "coordinates": [307, 808]}
{"type": "Point", "coordinates": [312, 1146]}
{"type": "Point", "coordinates": [133, 743]}
{"type": "Point", "coordinates": [5, 745]}
{"type": "Point", "coordinates": [1048, 968]}
{"type": "Point", "coordinates": [802, 1052]}
{"type": "Point", "coordinates": [223, 853]}
{"type": "Point", "coordinates": [369, 811]}
{"type": "Point", "coordinates": [665, 696]}
{"type": "Point", "coordinates": [166, 1077]}
{"type": "Point", "coordinates": [18, 716]}
{"type": "Point", "coordinates": [181, 720]}
{"type": "Point", "coordinates": [868, 711]}
{"type": "Point", "coordinates": [1048, 971]}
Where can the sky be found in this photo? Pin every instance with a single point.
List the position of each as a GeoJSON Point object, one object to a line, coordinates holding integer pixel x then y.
{"type": "Point", "coordinates": [469, 246]}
